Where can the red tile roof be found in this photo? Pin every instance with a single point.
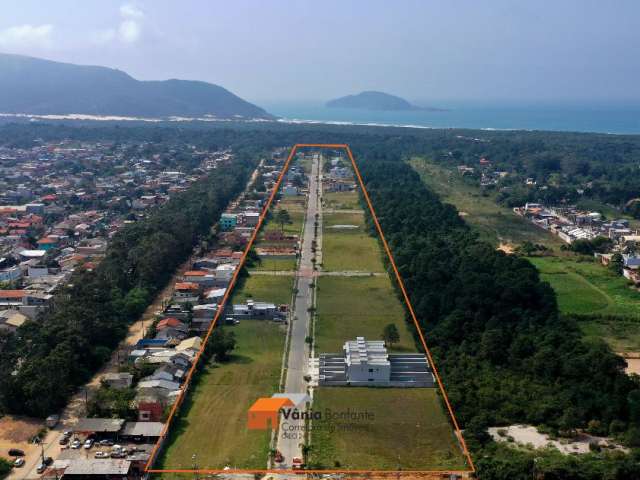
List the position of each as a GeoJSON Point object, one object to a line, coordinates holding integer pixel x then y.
{"type": "Point", "coordinates": [195, 273]}
{"type": "Point", "coordinates": [12, 293]}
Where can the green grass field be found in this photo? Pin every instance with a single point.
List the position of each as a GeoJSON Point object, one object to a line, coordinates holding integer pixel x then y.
{"type": "Point", "coordinates": [341, 200]}
{"type": "Point", "coordinates": [212, 423]}
{"type": "Point", "coordinates": [409, 429]}
{"type": "Point", "coordinates": [588, 288]}
{"type": "Point", "coordinates": [275, 264]}
{"type": "Point", "coordinates": [349, 249]}
{"type": "Point", "coordinates": [496, 224]}
{"type": "Point", "coordinates": [621, 333]}
{"type": "Point", "coordinates": [358, 306]}
{"type": "Point", "coordinates": [265, 288]}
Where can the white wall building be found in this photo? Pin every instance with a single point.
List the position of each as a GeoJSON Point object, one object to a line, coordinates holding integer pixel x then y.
{"type": "Point", "coordinates": [367, 361]}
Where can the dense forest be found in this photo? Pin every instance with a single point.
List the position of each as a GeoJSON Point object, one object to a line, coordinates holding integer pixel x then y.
{"type": "Point", "coordinates": [44, 363]}
{"type": "Point", "coordinates": [505, 354]}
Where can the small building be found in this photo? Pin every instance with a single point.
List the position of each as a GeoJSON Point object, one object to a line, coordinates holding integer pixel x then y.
{"type": "Point", "coordinates": [91, 426]}
{"type": "Point", "coordinates": [119, 381]}
{"type": "Point", "coordinates": [147, 432]}
{"type": "Point", "coordinates": [367, 361]}
{"type": "Point", "coordinates": [368, 364]}
{"type": "Point", "coordinates": [228, 221]}
{"type": "Point", "coordinates": [106, 468]}
{"type": "Point", "coordinates": [251, 218]}
{"type": "Point", "coordinates": [186, 292]}
{"type": "Point", "coordinates": [11, 320]}
{"type": "Point", "coordinates": [258, 311]}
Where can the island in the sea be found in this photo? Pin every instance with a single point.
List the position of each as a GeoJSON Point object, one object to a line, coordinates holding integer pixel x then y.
{"type": "Point", "coordinates": [372, 100]}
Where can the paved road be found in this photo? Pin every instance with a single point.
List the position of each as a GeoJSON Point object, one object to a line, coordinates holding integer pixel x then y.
{"type": "Point", "coordinates": [297, 361]}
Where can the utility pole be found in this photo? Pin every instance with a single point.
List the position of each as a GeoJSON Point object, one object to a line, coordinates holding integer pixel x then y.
{"type": "Point", "coordinates": [195, 465]}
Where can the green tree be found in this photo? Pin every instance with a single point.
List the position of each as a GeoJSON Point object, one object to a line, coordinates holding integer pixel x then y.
{"type": "Point", "coordinates": [616, 263]}
{"type": "Point", "coordinates": [390, 334]}
{"type": "Point", "coordinates": [221, 344]}
{"type": "Point", "coordinates": [5, 467]}
{"type": "Point", "coordinates": [283, 218]}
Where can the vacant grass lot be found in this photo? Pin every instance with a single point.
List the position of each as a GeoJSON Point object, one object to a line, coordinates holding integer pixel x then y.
{"type": "Point", "coordinates": [264, 288]}
{"type": "Point", "coordinates": [409, 429]}
{"type": "Point", "coordinates": [358, 306]}
{"type": "Point", "coordinates": [343, 218]}
{"type": "Point", "coordinates": [496, 224]}
{"type": "Point", "coordinates": [275, 264]}
{"type": "Point", "coordinates": [349, 249]}
{"type": "Point", "coordinates": [212, 424]}
{"type": "Point", "coordinates": [588, 287]}
{"type": "Point", "coordinates": [341, 200]}
{"type": "Point", "coordinates": [621, 333]}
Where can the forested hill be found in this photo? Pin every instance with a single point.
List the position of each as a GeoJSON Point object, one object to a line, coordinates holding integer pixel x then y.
{"type": "Point", "coordinates": [35, 86]}
{"type": "Point", "coordinates": [372, 101]}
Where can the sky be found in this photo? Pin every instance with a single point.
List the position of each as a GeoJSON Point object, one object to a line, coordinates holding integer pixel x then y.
{"type": "Point", "coordinates": [297, 50]}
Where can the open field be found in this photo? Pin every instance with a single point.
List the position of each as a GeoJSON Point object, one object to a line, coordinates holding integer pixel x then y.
{"type": "Point", "coordinates": [496, 224]}
{"type": "Point", "coordinates": [349, 249]}
{"type": "Point", "coordinates": [212, 424]}
{"type": "Point", "coordinates": [265, 288]}
{"type": "Point", "coordinates": [621, 333]}
{"type": "Point", "coordinates": [341, 200]}
{"type": "Point", "coordinates": [588, 287]}
{"type": "Point", "coordinates": [358, 306]}
{"type": "Point", "coordinates": [275, 264]}
{"type": "Point", "coordinates": [409, 429]}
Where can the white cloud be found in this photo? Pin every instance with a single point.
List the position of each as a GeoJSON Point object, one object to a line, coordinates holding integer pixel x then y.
{"type": "Point", "coordinates": [131, 11]}
{"type": "Point", "coordinates": [26, 36]}
{"type": "Point", "coordinates": [129, 29]}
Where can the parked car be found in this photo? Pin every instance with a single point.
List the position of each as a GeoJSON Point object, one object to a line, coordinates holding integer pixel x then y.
{"type": "Point", "coordinates": [19, 462]}
{"type": "Point", "coordinates": [41, 468]}
{"type": "Point", "coordinates": [67, 433]}
{"type": "Point", "coordinates": [48, 461]}
{"type": "Point", "coordinates": [88, 443]}
{"type": "Point", "coordinates": [118, 454]}
{"type": "Point", "coordinates": [16, 452]}
{"type": "Point", "coordinates": [76, 443]}
{"type": "Point", "coordinates": [63, 440]}
{"type": "Point", "coordinates": [101, 455]}
{"type": "Point", "coordinates": [106, 443]}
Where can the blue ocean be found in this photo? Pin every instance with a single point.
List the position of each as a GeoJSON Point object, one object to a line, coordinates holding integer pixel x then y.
{"type": "Point", "coordinates": [602, 118]}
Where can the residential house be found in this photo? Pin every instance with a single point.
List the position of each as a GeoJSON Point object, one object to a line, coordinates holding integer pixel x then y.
{"type": "Point", "coordinates": [119, 381]}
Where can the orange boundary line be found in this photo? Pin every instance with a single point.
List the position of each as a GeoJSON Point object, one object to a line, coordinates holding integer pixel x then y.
{"type": "Point", "coordinates": [221, 308]}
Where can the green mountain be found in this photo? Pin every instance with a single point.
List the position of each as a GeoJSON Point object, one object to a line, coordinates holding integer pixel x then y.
{"type": "Point", "coordinates": [35, 86]}
{"type": "Point", "coordinates": [371, 100]}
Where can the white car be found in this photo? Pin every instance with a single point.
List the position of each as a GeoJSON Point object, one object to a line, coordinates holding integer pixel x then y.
{"type": "Point", "coordinates": [88, 443]}
{"type": "Point", "coordinates": [19, 462]}
{"type": "Point", "coordinates": [101, 455]}
{"type": "Point", "coordinates": [76, 444]}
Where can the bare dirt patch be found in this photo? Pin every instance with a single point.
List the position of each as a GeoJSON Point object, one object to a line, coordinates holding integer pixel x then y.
{"type": "Point", "coordinates": [17, 430]}
{"type": "Point", "coordinates": [633, 362]}
{"type": "Point", "coordinates": [506, 248]}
